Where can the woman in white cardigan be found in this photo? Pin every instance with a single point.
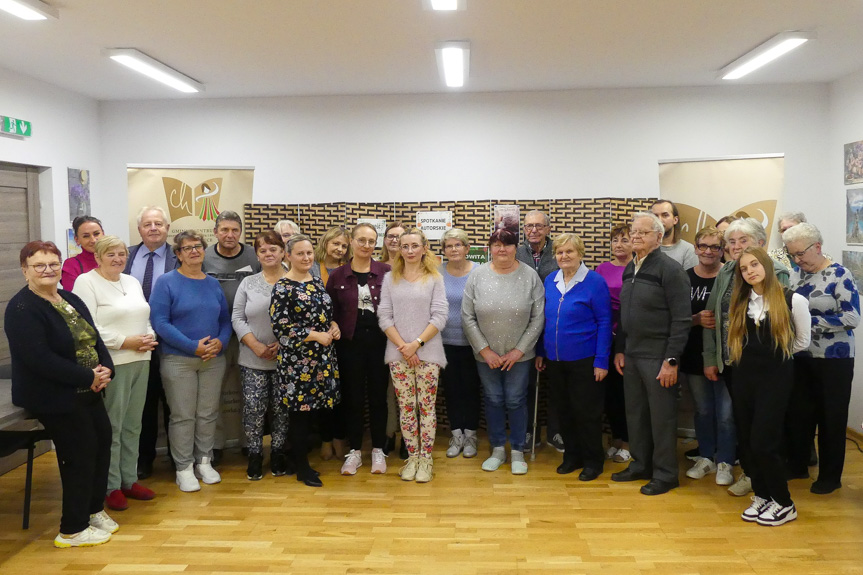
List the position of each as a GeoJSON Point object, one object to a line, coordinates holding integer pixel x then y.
{"type": "Point", "coordinates": [122, 316]}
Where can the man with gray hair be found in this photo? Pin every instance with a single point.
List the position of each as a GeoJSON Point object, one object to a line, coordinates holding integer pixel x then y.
{"type": "Point", "coordinates": [655, 317]}
{"type": "Point", "coordinates": [229, 260]}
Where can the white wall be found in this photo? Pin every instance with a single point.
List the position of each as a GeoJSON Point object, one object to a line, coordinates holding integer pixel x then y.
{"type": "Point", "coordinates": [846, 126]}
{"type": "Point", "coordinates": [65, 135]}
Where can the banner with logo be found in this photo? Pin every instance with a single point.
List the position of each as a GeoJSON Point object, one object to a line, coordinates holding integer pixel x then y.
{"type": "Point", "coordinates": [192, 197]}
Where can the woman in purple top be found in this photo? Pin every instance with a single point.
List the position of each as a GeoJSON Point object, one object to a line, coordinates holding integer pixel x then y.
{"type": "Point", "coordinates": [412, 313]}
{"type": "Point", "coordinates": [88, 230]}
{"type": "Point", "coordinates": [612, 271]}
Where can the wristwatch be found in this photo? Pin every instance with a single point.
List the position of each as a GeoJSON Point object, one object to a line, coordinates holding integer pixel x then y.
{"type": "Point", "coordinates": [421, 342]}
{"type": "Point", "coordinates": [672, 361]}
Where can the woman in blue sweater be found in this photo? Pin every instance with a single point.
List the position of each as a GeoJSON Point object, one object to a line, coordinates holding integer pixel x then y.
{"type": "Point", "coordinates": [189, 311]}
{"type": "Point", "coordinates": [575, 348]}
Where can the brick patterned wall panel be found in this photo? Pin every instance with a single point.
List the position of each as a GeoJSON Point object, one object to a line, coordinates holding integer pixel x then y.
{"type": "Point", "coordinates": [262, 217]}
{"type": "Point", "coordinates": [369, 210]}
{"type": "Point", "coordinates": [623, 208]}
{"type": "Point", "coordinates": [587, 217]}
{"type": "Point", "coordinates": [315, 219]}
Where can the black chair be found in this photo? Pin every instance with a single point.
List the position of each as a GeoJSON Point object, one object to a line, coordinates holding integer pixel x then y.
{"type": "Point", "coordinates": [15, 440]}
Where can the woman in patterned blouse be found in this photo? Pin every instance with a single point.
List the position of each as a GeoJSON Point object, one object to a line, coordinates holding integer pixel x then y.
{"type": "Point", "coordinates": [823, 376]}
{"type": "Point", "coordinates": [302, 316]}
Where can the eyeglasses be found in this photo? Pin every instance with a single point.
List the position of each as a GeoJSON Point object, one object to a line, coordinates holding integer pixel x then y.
{"type": "Point", "coordinates": [194, 248]}
{"type": "Point", "coordinates": [534, 226]}
{"type": "Point", "coordinates": [40, 268]}
{"type": "Point", "coordinates": [365, 243]}
{"type": "Point", "coordinates": [409, 247]}
{"type": "Point", "coordinates": [639, 233]}
{"type": "Point", "coordinates": [705, 248]}
{"type": "Point", "coordinates": [454, 246]}
{"type": "Point", "coordinates": [392, 237]}
{"type": "Point", "coordinates": [799, 255]}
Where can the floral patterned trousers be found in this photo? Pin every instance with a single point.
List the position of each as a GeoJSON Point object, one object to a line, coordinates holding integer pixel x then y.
{"type": "Point", "coordinates": [416, 390]}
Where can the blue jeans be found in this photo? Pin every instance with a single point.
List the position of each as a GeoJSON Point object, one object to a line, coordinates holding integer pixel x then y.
{"type": "Point", "coordinates": [714, 419]}
{"type": "Point", "coordinates": [505, 394]}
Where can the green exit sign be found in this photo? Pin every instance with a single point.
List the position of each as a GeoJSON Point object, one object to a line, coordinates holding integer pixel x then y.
{"type": "Point", "coordinates": [16, 126]}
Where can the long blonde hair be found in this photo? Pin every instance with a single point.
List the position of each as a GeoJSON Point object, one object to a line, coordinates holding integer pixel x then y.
{"type": "Point", "coordinates": [329, 235]}
{"type": "Point", "coordinates": [781, 328]}
{"type": "Point", "coordinates": [429, 263]}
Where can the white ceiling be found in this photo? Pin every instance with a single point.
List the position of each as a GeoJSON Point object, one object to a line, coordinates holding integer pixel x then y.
{"type": "Point", "coordinates": [248, 48]}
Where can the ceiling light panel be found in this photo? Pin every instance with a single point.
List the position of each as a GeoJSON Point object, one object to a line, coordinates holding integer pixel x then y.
{"type": "Point", "coordinates": [765, 53]}
{"type": "Point", "coordinates": [152, 68]}
{"type": "Point", "coordinates": [29, 9]}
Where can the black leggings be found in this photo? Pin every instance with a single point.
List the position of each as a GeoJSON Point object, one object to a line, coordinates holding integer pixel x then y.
{"type": "Point", "coordinates": [363, 371]}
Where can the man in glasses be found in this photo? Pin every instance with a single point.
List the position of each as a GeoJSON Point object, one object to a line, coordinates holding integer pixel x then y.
{"type": "Point", "coordinates": [673, 246]}
{"type": "Point", "coordinates": [229, 260]}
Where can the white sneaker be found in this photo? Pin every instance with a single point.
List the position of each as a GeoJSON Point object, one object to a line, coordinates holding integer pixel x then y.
{"type": "Point", "coordinates": [469, 443]}
{"type": "Point", "coordinates": [90, 537]}
{"type": "Point", "coordinates": [408, 472]}
{"type": "Point", "coordinates": [353, 461]}
{"type": "Point", "coordinates": [723, 474]}
{"type": "Point", "coordinates": [205, 472]}
{"type": "Point", "coordinates": [456, 443]}
{"type": "Point", "coordinates": [701, 468]}
{"type": "Point", "coordinates": [424, 470]}
{"type": "Point", "coordinates": [498, 458]}
{"type": "Point", "coordinates": [187, 481]}
{"type": "Point", "coordinates": [102, 521]}
{"type": "Point", "coordinates": [742, 487]}
{"type": "Point", "coordinates": [752, 512]}
{"type": "Point", "coordinates": [611, 452]}
{"type": "Point", "coordinates": [622, 456]}
{"type": "Point", "coordinates": [518, 465]}
{"type": "Point", "coordinates": [775, 514]}
{"type": "Point", "coordinates": [379, 462]}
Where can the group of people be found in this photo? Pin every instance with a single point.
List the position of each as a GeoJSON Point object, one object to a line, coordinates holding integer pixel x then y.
{"type": "Point", "coordinates": [314, 333]}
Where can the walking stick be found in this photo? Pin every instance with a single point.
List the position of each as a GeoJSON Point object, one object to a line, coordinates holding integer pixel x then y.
{"type": "Point", "coordinates": [535, 417]}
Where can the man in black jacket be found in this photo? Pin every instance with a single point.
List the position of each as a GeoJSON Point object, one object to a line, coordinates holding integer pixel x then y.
{"type": "Point", "coordinates": [655, 317]}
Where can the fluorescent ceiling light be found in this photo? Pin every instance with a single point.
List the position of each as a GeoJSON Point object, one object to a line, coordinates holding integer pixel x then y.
{"type": "Point", "coordinates": [29, 9]}
{"type": "Point", "coordinates": [444, 5]}
{"type": "Point", "coordinates": [765, 53]}
{"type": "Point", "coordinates": [453, 60]}
{"type": "Point", "coordinates": [154, 69]}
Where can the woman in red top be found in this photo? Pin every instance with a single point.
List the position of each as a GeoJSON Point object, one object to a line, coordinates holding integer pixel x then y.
{"type": "Point", "coordinates": [88, 230]}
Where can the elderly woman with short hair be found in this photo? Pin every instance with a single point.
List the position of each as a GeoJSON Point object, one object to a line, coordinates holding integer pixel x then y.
{"type": "Point", "coordinates": [575, 348]}
{"type": "Point", "coordinates": [189, 311]}
{"type": "Point", "coordinates": [122, 317]}
{"type": "Point", "coordinates": [739, 235]}
{"type": "Point", "coordinates": [825, 373]}
{"type": "Point", "coordinates": [502, 315]}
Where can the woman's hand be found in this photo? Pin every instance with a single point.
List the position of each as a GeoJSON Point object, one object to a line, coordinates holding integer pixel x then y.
{"type": "Point", "coordinates": [409, 350]}
{"type": "Point", "coordinates": [540, 363]}
{"type": "Point", "coordinates": [705, 319]}
{"type": "Point", "coordinates": [208, 348]}
{"type": "Point", "coordinates": [510, 358]}
{"type": "Point", "coordinates": [711, 372]}
{"type": "Point", "coordinates": [140, 343]}
{"type": "Point", "coordinates": [413, 361]}
{"type": "Point", "coordinates": [101, 378]}
{"type": "Point", "coordinates": [335, 331]}
{"type": "Point", "coordinates": [599, 373]}
{"type": "Point", "coordinates": [324, 338]}
{"type": "Point", "coordinates": [491, 358]}
{"type": "Point", "coordinates": [272, 351]}
{"type": "Point", "coordinates": [619, 363]}
{"type": "Point", "coordinates": [259, 349]}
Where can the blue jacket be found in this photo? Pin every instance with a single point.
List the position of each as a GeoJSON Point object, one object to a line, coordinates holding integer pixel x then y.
{"type": "Point", "coordinates": [578, 324]}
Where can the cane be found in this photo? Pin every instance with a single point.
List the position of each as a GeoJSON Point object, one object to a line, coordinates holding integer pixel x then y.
{"type": "Point", "coordinates": [535, 416]}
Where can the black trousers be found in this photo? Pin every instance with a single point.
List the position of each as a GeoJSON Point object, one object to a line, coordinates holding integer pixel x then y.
{"type": "Point", "coordinates": [615, 405]}
{"type": "Point", "coordinates": [460, 382]}
{"type": "Point", "coordinates": [150, 414]}
{"type": "Point", "coordinates": [363, 372]}
{"type": "Point", "coordinates": [822, 392]}
{"type": "Point", "coordinates": [82, 438]}
{"type": "Point", "coordinates": [579, 399]}
{"type": "Point", "coordinates": [298, 431]}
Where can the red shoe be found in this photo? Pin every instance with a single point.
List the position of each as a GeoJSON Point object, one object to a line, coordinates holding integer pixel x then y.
{"type": "Point", "coordinates": [116, 501]}
{"type": "Point", "coordinates": [139, 492]}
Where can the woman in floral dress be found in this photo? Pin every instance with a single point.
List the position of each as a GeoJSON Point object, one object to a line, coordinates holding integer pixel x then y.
{"type": "Point", "coordinates": [302, 316]}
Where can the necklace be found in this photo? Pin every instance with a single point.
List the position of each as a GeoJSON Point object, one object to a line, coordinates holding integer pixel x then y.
{"type": "Point", "coordinates": [113, 283]}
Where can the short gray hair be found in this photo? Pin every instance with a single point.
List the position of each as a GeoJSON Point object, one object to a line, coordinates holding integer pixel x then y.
{"type": "Point", "coordinates": [541, 213]}
{"type": "Point", "coordinates": [804, 232]}
{"type": "Point", "coordinates": [295, 239]}
{"type": "Point", "coordinates": [146, 209]}
{"type": "Point", "coordinates": [748, 227]}
{"type": "Point", "coordinates": [282, 223]}
{"type": "Point", "coordinates": [655, 222]}
{"type": "Point", "coordinates": [454, 234]}
{"type": "Point", "coordinates": [230, 216]}
{"type": "Point", "coordinates": [797, 217]}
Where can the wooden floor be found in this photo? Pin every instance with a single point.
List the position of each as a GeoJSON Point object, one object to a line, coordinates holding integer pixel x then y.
{"type": "Point", "coordinates": [465, 521]}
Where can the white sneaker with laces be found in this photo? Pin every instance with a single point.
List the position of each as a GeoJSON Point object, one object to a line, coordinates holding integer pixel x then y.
{"type": "Point", "coordinates": [752, 512]}
{"type": "Point", "coordinates": [701, 468]}
{"type": "Point", "coordinates": [723, 474]}
{"type": "Point", "coordinates": [90, 537]}
{"type": "Point", "coordinates": [775, 514]}
{"type": "Point", "coordinates": [469, 443]}
{"type": "Point", "coordinates": [205, 472]}
{"type": "Point", "coordinates": [102, 521]}
{"type": "Point", "coordinates": [379, 461]}
{"type": "Point", "coordinates": [187, 481]}
{"type": "Point", "coordinates": [408, 472]}
{"type": "Point", "coordinates": [424, 470]}
{"type": "Point", "coordinates": [622, 456]}
{"type": "Point", "coordinates": [353, 461]}
{"type": "Point", "coordinates": [742, 487]}
{"type": "Point", "coordinates": [456, 443]}
{"type": "Point", "coordinates": [556, 441]}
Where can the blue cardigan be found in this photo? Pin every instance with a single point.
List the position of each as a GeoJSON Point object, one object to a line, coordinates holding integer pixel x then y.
{"type": "Point", "coordinates": [579, 326]}
{"type": "Point", "coordinates": [185, 310]}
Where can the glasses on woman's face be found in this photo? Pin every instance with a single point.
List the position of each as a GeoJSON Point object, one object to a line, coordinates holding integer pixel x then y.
{"type": "Point", "coordinates": [390, 238]}
{"type": "Point", "coordinates": [710, 248]}
{"type": "Point", "coordinates": [192, 248]}
{"type": "Point", "coordinates": [40, 268]}
{"type": "Point", "coordinates": [799, 255]}
{"type": "Point", "coordinates": [454, 246]}
{"type": "Point", "coordinates": [365, 243]}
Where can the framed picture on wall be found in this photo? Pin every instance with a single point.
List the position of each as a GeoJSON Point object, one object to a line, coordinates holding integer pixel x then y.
{"type": "Point", "coordinates": [853, 262]}
{"type": "Point", "coordinates": [854, 217]}
{"type": "Point", "coordinates": [854, 163]}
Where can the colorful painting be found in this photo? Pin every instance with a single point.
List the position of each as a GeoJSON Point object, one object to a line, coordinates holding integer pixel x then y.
{"type": "Point", "coordinates": [79, 193]}
{"type": "Point", "coordinates": [853, 262]}
{"type": "Point", "coordinates": [507, 216]}
{"type": "Point", "coordinates": [854, 163]}
{"type": "Point", "coordinates": [854, 217]}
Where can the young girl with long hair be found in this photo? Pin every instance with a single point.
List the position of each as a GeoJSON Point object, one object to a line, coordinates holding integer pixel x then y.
{"type": "Point", "coordinates": [767, 325]}
{"type": "Point", "coordinates": [412, 313]}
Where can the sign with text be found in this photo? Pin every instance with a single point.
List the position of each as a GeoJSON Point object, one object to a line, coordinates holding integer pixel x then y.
{"type": "Point", "coordinates": [16, 127]}
{"type": "Point", "coordinates": [434, 224]}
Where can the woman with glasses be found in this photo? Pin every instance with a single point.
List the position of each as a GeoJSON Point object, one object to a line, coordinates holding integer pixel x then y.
{"type": "Point", "coordinates": [460, 380]}
{"type": "Point", "coordinates": [189, 311]}
{"type": "Point", "coordinates": [412, 313]}
{"type": "Point", "coordinates": [502, 315]}
{"type": "Point", "coordinates": [615, 405]}
{"type": "Point", "coordinates": [60, 367]}
{"type": "Point", "coordinates": [355, 289]}
{"type": "Point", "coordinates": [825, 373]}
{"type": "Point", "coordinates": [714, 418]}
{"type": "Point", "coordinates": [87, 230]}
{"type": "Point", "coordinates": [739, 235]}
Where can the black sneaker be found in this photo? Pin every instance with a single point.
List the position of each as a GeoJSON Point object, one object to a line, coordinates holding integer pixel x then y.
{"type": "Point", "coordinates": [216, 460]}
{"type": "Point", "coordinates": [390, 445]}
{"type": "Point", "coordinates": [403, 450]}
{"type": "Point", "coordinates": [776, 514]}
{"type": "Point", "coordinates": [278, 463]}
{"type": "Point", "coordinates": [254, 471]}
{"type": "Point", "coordinates": [693, 454]}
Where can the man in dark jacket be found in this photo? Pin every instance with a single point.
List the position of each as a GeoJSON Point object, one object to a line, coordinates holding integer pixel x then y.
{"type": "Point", "coordinates": [655, 318]}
